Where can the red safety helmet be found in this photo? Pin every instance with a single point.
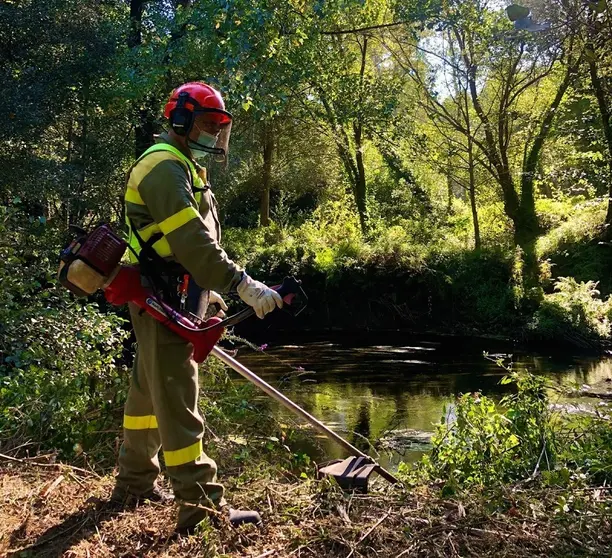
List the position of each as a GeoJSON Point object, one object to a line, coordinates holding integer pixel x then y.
{"type": "Point", "coordinates": [191, 99]}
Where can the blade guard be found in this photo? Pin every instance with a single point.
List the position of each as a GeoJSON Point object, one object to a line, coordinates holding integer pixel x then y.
{"type": "Point", "coordinates": [351, 473]}
{"type": "Point", "coordinates": [126, 287]}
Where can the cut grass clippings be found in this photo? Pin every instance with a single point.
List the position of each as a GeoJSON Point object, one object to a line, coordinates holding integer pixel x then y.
{"type": "Point", "coordinates": [58, 511]}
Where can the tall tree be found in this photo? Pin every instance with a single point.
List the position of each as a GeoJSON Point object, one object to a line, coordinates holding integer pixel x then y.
{"type": "Point", "coordinates": [597, 29]}
{"type": "Point", "coordinates": [500, 67]}
{"type": "Point", "coordinates": [58, 73]}
{"type": "Point", "coordinates": [351, 89]}
{"type": "Point", "coordinates": [446, 102]}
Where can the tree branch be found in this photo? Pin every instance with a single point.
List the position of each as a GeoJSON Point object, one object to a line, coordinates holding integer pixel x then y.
{"type": "Point", "coordinates": [363, 29]}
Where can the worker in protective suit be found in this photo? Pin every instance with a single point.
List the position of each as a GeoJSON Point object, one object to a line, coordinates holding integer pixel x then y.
{"type": "Point", "coordinates": [171, 214]}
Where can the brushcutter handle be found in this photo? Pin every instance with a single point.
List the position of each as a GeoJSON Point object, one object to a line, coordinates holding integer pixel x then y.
{"type": "Point", "coordinates": [289, 288]}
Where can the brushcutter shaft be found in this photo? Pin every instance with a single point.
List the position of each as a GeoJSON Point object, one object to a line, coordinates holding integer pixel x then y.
{"type": "Point", "coordinates": [278, 396]}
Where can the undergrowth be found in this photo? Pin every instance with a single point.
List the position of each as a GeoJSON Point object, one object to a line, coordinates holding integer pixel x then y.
{"type": "Point", "coordinates": [492, 444]}
{"type": "Point", "coordinates": [62, 385]}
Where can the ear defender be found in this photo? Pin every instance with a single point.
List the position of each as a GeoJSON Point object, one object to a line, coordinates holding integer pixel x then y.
{"type": "Point", "coordinates": [181, 118]}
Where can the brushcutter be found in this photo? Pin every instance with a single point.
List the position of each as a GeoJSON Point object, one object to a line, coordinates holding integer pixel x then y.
{"type": "Point", "coordinates": [92, 262]}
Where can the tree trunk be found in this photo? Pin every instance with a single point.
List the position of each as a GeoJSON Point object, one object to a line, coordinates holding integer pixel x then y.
{"type": "Point", "coordinates": [395, 164]}
{"type": "Point", "coordinates": [144, 128]}
{"type": "Point", "coordinates": [361, 192]}
{"type": "Point", "coordinates": [449, 184]}
{"type": "Point", "coordinates": [268, 149]}
{"type": "Point", "coordinates": [355, 173]}
{"type": "Point", "coordinates": [526, 224]}
{"type": "Point", "coordinates": [532, 159]}
{"type": "Point", "coordinates": [135, 37]}
{"type": "Point", "coordinates": [604, 112]}
{"type": "Point", "coordinates": [471, 170]}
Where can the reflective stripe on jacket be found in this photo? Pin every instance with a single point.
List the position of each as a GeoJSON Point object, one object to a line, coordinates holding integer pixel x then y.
{"type": "Point", "coordinates": [167, 193]}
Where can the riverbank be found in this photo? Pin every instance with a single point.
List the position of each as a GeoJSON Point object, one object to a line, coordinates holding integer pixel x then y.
{"type": "Point", "coordinates": [476, 493]}
{"type": "Point", "coordinates": [394, 281]}
{"type": "Point", "coordinates": [52, 510]}
{"type": "Point", "coordinates": [386, 392]}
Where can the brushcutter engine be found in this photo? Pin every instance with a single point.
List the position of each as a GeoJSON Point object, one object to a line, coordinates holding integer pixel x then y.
{"type": "Point", "coordinates": [91, 261]}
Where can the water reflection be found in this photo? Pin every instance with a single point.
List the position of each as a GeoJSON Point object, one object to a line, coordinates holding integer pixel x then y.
{"type": "Point", "coordinates": [378, 388]}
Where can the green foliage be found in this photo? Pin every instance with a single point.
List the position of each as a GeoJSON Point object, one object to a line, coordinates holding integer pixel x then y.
{"type": "Point", "coordinates": [65, 122]}
{"type": "Point", "coordinates": [484, 443]}
{"type": "Point", "coordinates": [489, 443]}
{"type": "Point", "coordinates": [553, 212]}
{"type": "Point", "coordinates": [574, 312]}
{"type": "Point", "coordinates": [361, 125]}
{"type": "Point", "coordinates": [575, 248]}
{"type": "Point", "coordinates": [412, 274]}
{"type": "Point", "coordinates": [580, 224]}
{"type": "Point", "coordinates": [589, 448]}
{"type": "Point", "coordinates": [60, 381]}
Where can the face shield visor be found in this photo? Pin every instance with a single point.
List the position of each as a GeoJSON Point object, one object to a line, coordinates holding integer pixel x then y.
{"type": "Point", "coordinates": [211, 134]}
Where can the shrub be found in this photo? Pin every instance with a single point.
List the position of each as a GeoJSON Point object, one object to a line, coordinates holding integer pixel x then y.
{"type": "Point", "coordinates": [59, 377]}
{"type": "Point", "coordinates": [583, 224]}
{"type": "Point", "coordinates": [553, 212]}
{"type": "Point", "coordinates": [589, 448]}
{"type": "Point", "coordinates": [574, 313]}
{"type": "Point", "coordinates": [489, 443]}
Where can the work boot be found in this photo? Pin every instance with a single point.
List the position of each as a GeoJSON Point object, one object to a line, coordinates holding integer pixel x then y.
{"type": "Point", "coordinates": [236, 518]}
{"type": "Point", "coordinates": [127, 499]}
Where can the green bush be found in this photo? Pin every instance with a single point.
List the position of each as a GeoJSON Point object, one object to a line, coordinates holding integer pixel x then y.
{"type": "Point", "coordinates": [495, 227]}
{"type": "Point", "coordinates": [59, 377]}
{"type": "Point", "coordinates": [589, 448]}
{"type": "Point", "coordinates": [581, 225]}
{"type": "Point", "coordinates": [411, 274]}
{"type": "Point", "coordinates": [553, 212]}
{"type": "Point", "coordinates": [573, 313]}
{"type": "Point", "coordinates": [489, 443]}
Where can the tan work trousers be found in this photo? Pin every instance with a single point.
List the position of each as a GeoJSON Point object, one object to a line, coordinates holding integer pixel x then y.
{"type": "Point", "coordinates": [161, 411]}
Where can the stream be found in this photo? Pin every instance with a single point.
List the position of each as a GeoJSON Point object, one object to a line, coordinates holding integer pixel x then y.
{"type": "Point", "coordinates": [393, 389]}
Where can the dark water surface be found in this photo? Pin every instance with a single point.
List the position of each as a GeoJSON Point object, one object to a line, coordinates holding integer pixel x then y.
{"type": "Point", "coordinates": [392, 388]}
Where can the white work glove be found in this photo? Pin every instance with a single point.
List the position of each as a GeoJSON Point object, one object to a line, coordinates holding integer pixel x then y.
{"type": "Point", "coordinates": [261, 298]}
{"type": "Point", "coordinates": [215, 298]}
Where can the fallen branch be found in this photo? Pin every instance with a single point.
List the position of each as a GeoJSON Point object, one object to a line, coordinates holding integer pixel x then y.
{"type": "Point", "coordinates": [53, 486]}
{"type": "Point", "coordinates": [407, 551]}
{"type": "Point", "coordinates": [301, 547]}
{"type": "Point", "coordinates": [30, 462]}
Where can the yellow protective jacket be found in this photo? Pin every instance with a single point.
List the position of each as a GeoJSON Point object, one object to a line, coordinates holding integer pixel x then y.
{"type": "Point", "coordinates": [168, 192]}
